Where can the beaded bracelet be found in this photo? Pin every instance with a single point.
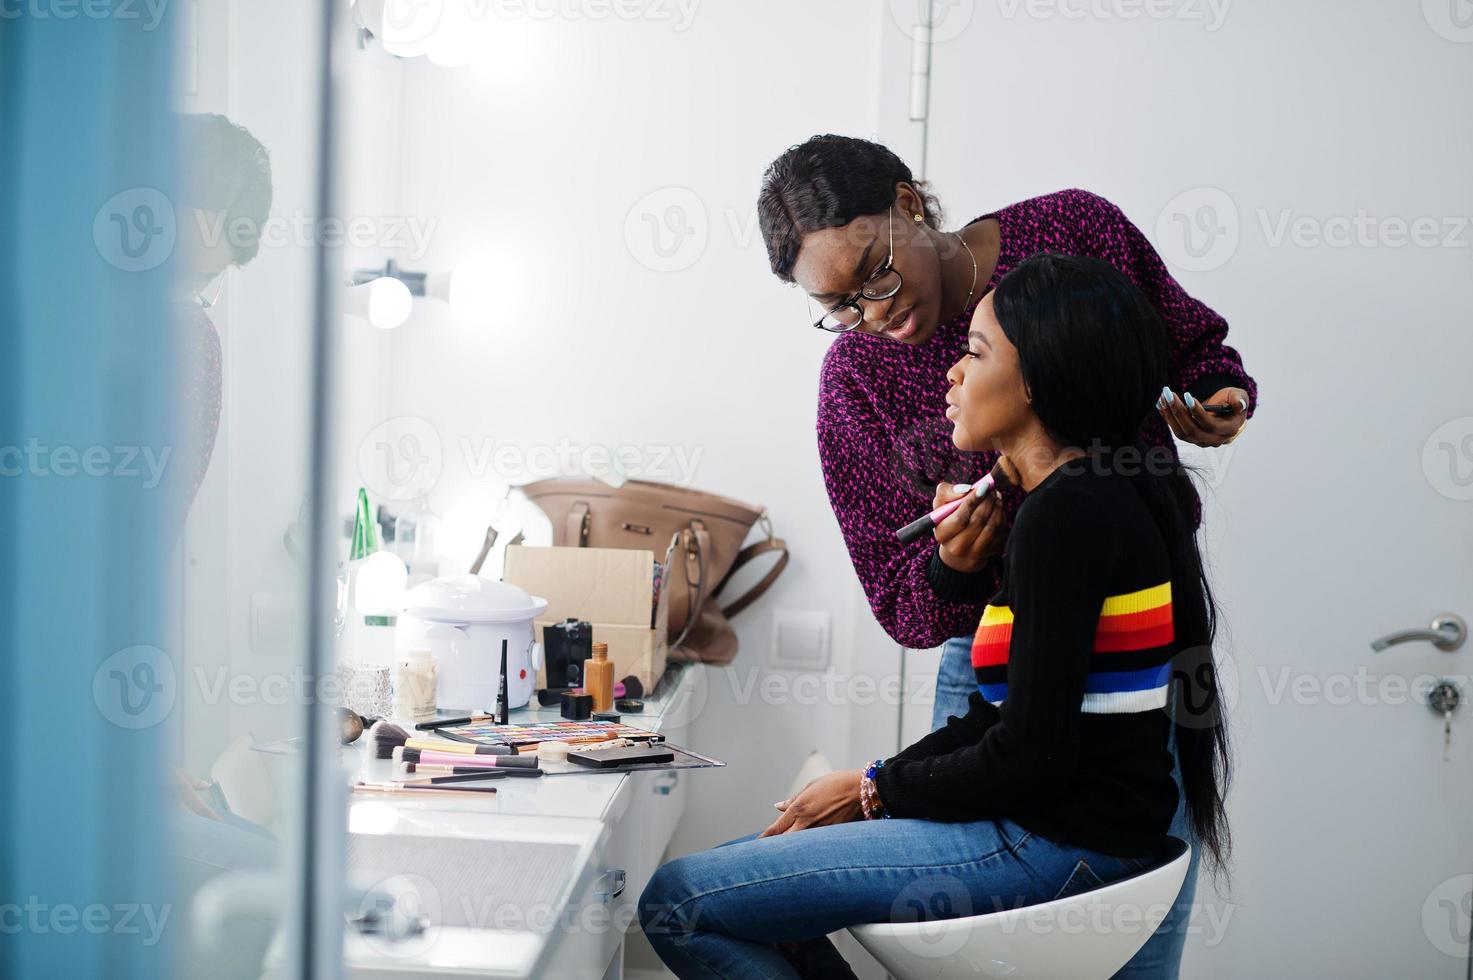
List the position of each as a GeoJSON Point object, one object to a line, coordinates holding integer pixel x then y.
{"type": "Point", "coordinates": [869, 797]}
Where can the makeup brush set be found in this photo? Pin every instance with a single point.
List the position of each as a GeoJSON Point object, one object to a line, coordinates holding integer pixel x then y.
{"type": "Point", "coordinates": [479, 750]}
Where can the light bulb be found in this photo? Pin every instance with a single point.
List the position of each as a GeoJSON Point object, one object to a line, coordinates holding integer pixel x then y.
{"type": "Point", "coordinates": [385, 302]}
{"type": "Point", "coordinates": [378, 585]}
{"type": "Point", "coordinates": [370, 15]}
{"type": "Point", "coordinates": [410, 25]}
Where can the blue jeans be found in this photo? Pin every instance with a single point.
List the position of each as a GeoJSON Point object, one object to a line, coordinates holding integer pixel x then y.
{"type": "Point", "coordinates": [763, 907]}
{"type": "Point", "coordinates": [1160, 957]}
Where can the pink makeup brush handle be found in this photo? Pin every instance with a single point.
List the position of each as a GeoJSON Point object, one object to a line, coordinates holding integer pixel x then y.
{"type": "Point", "coordinates": [979, 488]}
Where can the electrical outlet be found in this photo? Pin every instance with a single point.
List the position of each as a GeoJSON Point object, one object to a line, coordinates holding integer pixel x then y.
{"type": "Point", "coordinates": [800, 639]}
{"type": "Point", "coordinates": [273, 623]}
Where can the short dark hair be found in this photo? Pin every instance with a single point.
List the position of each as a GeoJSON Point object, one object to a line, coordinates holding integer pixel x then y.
{"type": "Point", "coordinates": [827, 182]}
{"type": "Point", "coordinates": [227, 172]}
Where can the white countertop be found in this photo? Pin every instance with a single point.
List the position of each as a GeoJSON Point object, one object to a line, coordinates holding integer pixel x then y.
{"type": "Point", "coordinates": [575, 814]}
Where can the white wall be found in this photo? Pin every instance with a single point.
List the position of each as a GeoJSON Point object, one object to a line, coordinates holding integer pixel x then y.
{"type": "Point", "coordinates": [534, 157]}
{"type": "Point", "coordinates": [1345, 816]}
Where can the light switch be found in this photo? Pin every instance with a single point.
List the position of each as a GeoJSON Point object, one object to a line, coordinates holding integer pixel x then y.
{"type": "Point", "coordinates": [800, 639]}
{"type": "Point", "coordinates": [273, 623]}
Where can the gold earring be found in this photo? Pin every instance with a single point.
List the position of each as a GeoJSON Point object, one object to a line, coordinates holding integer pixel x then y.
{"type": "Point", "coordinates": [920, 218]}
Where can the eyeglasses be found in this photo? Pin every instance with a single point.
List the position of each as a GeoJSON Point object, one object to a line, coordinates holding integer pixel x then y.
{"type": "Point", "coordinates": [883, 283]}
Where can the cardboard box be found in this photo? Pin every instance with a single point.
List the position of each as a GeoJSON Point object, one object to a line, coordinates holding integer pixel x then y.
{"type": "Point", "coordinates": [611, 588]}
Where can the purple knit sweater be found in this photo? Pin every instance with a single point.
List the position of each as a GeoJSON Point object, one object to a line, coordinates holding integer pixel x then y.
{"type": "Point", "coordinates": [883, 438]}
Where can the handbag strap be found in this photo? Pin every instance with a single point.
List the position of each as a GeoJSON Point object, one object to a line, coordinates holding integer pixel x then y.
{"type": "Point", "coordinates": [745, 556]}
{"type": "Point", "coordinates": [695, 541]}
{"type": "Point", "coordinates": [576, 524]}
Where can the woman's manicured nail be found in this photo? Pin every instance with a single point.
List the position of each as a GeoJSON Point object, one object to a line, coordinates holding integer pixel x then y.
{"type": "Point", "coordinates": [780, 804]}
{"type": "Point", "coordinates": [1160, 404]}
{"type": "Point", "coordinates": [961, 488]}
{"type": "Point", "coordinates": [1191, 402]}
{"type": "Point", "coordinates": [1166, 396]}
{"type": "Point", "coordinates": [1243, 405]}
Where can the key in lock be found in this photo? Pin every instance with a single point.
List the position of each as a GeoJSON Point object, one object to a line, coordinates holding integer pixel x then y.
{"type": "Point", "coordinates": [1443, 698]}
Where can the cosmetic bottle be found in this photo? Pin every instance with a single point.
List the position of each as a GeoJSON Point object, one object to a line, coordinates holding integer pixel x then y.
{"type": "Point", "coordinates": [414, 694]}
{"type": "Point", "coordinates": [598, 677]}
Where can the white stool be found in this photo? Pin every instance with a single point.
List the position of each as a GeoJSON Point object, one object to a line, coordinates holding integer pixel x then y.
{"type": "Point", "coordinates": [1087, 936]}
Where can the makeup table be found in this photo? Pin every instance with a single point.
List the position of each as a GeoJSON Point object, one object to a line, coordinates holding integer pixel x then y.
{"type": "Point", "coordinates": [539, 879]}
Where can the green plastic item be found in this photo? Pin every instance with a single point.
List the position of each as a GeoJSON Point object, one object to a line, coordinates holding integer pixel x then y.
{"type": "Point", "coordinates": [365, 543]}
{"type": "Point", "coordinates": [365, 531]}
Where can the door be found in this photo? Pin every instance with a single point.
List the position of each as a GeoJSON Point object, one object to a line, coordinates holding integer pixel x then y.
{"type": "Point", "coordinates": [1303, 169]}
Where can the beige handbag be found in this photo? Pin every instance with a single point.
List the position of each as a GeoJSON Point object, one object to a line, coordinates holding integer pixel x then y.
{"type": "Point", "coordinates": [704, 532]}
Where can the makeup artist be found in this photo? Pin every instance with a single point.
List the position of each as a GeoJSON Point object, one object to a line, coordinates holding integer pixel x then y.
{"type": "Point", "coordinates": [845, 220]}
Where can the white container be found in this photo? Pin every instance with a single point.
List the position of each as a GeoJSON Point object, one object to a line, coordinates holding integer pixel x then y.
{"type": "Point", "coordinates": [462, 619]}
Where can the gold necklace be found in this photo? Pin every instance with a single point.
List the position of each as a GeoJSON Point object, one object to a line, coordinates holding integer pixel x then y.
{"type": "Point", "coordinates": [972, 288]}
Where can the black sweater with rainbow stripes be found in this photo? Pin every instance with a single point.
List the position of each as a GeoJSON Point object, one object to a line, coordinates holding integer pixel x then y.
{"type": "Point", "coordinates": [1068, 732]}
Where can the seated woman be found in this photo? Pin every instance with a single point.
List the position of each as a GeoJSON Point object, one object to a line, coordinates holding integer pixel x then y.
{"type": "Point", "coordinates": [1059, 778]}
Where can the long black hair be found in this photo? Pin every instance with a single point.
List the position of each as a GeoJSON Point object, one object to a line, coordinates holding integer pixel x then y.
{"type": "Point", "coordinates": [1094, 357]}
{"type": "Point", "coordinates": [827, 182]}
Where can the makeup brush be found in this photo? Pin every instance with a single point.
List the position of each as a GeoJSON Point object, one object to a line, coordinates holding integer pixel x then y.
{"type": "Point", "coordinates": [436, 769]}
{"type": "Point", "coordinates": [920, 527]}
{"type": "Point", "coordinates": [429, 726]}
{"type": "Point", "coordinates": [413, 789]}
{"type": "Point", "coordinates": [467, 777]}
{"type": "Point", "coordinates": [404, 753]}
{"type": "Point", "coordinates": [388, 736]}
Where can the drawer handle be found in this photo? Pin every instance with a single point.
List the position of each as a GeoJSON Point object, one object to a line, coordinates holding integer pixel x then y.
{"type": "Point", "coordinates": [616, 877]}
{"type": "Point", "coordinates": [665, 782]}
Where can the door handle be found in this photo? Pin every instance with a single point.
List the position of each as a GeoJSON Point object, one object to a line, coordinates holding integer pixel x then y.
{"type": "Point", "coordinates": [611, 885]}
{"type": "Point", "coordinates": [1447, 632]}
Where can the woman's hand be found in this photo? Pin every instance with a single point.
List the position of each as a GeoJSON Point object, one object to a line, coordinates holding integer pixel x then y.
{"type": "Point", "coordinates": [971, 535]}
{"type": "Point", "coordinates": [1190, 422]}
{"type": "Point", "coordinates": [828, 799]}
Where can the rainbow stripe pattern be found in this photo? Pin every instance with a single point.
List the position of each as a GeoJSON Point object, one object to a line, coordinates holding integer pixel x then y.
{"type": "Point", "coordinates": [1131, 667]}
